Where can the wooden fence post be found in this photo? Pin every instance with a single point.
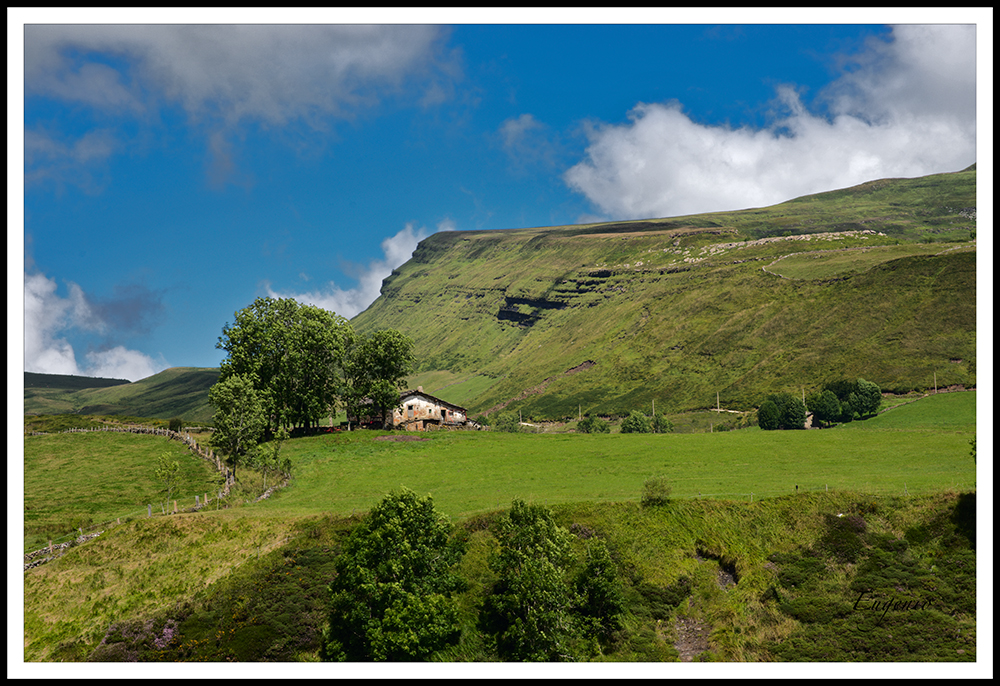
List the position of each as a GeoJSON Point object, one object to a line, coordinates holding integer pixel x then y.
{"type": "Point", "coordinates": [149, 509]}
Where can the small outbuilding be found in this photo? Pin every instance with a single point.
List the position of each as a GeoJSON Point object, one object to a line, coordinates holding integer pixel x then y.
{"type": "Point", "coordinates": [418, 411]}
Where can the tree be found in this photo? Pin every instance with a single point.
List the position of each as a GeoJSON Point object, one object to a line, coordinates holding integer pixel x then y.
{"type": "Point", "coordinates": [239, 418]}
{"type": "Point", "coordinates": [768, 416]}
{"type": "Point", "coordinates": [593, 425]}
{"type": "Point", "coordinates": [375, 371]}
{"type": "Point", "coordinates": [866, 399]}
{"type": "Point", "coordinates": [636, 423]}
{"type": "Point", "coordinates": [601, 598]}
{"type": "Point", "coordinates": [293, 352]}
{"type": "Point", "coordinates": [391, 596]}
{"type": "Point", "coordinates": [824, 406]}
{"type": "Point", "coordinates": [168, 473]}
{"type": "Point", "coordinates": [781, 411]}
{"type": "Point", "coordinates": [529, 611]}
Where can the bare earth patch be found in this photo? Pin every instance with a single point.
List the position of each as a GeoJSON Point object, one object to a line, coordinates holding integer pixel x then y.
{"type": "Point", "coordinates": [692, 638]}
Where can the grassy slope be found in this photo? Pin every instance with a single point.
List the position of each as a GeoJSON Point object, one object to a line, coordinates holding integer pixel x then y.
{"type": "Point", "coordinates": [203, 569]}
{"type": "Point", "coordinates": [676, 310]}
{"type": "Point", "coordinates": [176, 392]}
{"type": "Point", "coordinates": [61, 492]}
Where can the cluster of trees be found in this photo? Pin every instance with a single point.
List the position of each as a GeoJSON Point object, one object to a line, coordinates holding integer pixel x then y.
{"type": "Point", "coordinates": [635, 423]}
{"type": "Point", "coordinates": [290, 365]}
{"type": "Point", "coordinates": [838, 401]}
{"type": "Point", "coordinates": [781, 411]}
{"type": "Point", "coordinates": [393, 595]}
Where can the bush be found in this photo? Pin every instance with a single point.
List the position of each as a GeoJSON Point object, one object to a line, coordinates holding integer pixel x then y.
{"type": "Point", "coordinates": [391, 596]}
{"type": "Point", "coordinates": [176, 424]}
{"type": "Point", "coordinates": [637, 423]}
{"type": "Point", "coordinates": [656, 491]}
{"type": "Point", "coordinates": [593, 425]}
{"type": "Point", "coordinates": [507, 422]}
{"type": "Point", "coordinates": [662, 425]}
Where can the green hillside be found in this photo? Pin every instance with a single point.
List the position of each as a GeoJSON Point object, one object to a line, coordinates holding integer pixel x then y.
{"type": "Point", "coordinates": [762, 548]}
{"type": "Point", "coordinates": [176, 392]}
{"type": "Point", "coordinates": [876, 281]}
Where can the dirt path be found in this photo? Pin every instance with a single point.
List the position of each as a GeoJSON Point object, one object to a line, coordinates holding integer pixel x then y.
{"type": "Point", "coordinates": [692, 638]}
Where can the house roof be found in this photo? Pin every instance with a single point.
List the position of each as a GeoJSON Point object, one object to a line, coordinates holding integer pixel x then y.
{"type": "Point", "coordinates": [409, 394]}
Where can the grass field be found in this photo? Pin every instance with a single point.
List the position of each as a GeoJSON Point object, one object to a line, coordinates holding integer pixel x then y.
{"type": "Point", "coordinates": [244, 581]}
{"type": "Point", "coordinates": [471, 472]}
{"type": "Point", "coordinates": [76, 480]}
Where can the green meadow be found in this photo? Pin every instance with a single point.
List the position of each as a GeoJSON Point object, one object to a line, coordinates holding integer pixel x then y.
{"type": "Point", "coordinates": [80, 480]}
{"type": "Point", "coordinates": [247, 582]}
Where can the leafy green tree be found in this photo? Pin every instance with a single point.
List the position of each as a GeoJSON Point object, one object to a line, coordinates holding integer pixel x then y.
{"type": "Point", "coordinates": [601, 603]}
{"type": "Point", "coordinates": [866, 399]}
{"type": "Point", "coordinates": [529, 611]}
{"type": "Point", "coordinates": [768, 416]}
{"type": "Point", "coordinates": [782, 411]}
{"type": "Point", "coordinates": [824, 406]}
{"type": "Point", "coordinates": [636, 423]}
{"type": "Point", "coordinates": [168, 473]}
{"type": "Point", "coordinates": [295, 355]}
{"type": "Point", "coordinates": [239, 418]}
{"type": "Point", "coordinates": [593, 425]}
{"type": "Point", "coordinates": [391, 598]}
{"type": "Point", "coordinates": [375, 371]}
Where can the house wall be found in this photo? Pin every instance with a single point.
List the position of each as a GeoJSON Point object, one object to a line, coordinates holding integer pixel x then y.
{"type": "Point", "coordinates": [418, 410]}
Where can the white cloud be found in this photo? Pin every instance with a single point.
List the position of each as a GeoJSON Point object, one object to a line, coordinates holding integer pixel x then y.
{"type": "Point", "coordinates": [270, 73]}
{"type": "Point", "coordinates": [49, 318]}
{"type": "Point", "coordinates": [352, 301]}
{"type": "Point", "coordinates": [905, 108]}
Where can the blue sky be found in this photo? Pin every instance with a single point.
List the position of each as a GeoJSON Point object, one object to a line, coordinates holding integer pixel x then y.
{"type": "Point", "coordinates": [172, 173]}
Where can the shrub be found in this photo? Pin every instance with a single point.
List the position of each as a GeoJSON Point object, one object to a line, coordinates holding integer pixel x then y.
{"type": "Point", "coordinates": [662, 425]}
{"type": "Point", "coordinates": [176, 424]}
{"type": "Point", "coordinates": [656, 491]}
{"type": "Point", "coordinates": [507, 422]}
{"type": "Point", "coordinates": [593, 425]}
{"type": "Point", "coordinates": [636, 423]}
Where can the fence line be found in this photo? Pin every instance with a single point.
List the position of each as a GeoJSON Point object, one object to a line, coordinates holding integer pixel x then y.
{"type": "Point", "coordinates": [54, 549]}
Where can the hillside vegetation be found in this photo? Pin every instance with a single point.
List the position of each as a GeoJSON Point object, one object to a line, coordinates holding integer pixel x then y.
{"type": "Point", "coordinates": [876, 281]}
{"type": "Point", "coordinates": [177, 392]}
{"type": "Point", "coordinates": [886, 504]}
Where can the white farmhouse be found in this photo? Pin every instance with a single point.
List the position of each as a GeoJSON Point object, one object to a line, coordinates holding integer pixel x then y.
{"type": "Point", "coordinates": [417, 411]}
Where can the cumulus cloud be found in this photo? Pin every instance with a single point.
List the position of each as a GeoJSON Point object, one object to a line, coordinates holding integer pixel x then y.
{"type": "Point", "coordinates": [50, 319]}
{"type": "Point", "coordinates": [903, 107]}
{"type": "Point", "coordinates": [269, 73]}
{"type": "Point", "coordinates": [348, 302]}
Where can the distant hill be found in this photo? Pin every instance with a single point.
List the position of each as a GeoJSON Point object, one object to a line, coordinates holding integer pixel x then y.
{"type": "Point", "coordinates": [875, 281]}
{"type": "Point", "coordinates": [177, 392]}
{"type": "Point", "coordinates": [68, 382]}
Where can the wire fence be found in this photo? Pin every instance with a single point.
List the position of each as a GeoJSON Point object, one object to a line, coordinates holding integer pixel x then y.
{"type": "Point", "coordinates": [58, 545]}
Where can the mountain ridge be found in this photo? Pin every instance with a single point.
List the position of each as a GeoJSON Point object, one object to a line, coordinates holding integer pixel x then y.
{"type": "Point", "coordinates": [676, 310]}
